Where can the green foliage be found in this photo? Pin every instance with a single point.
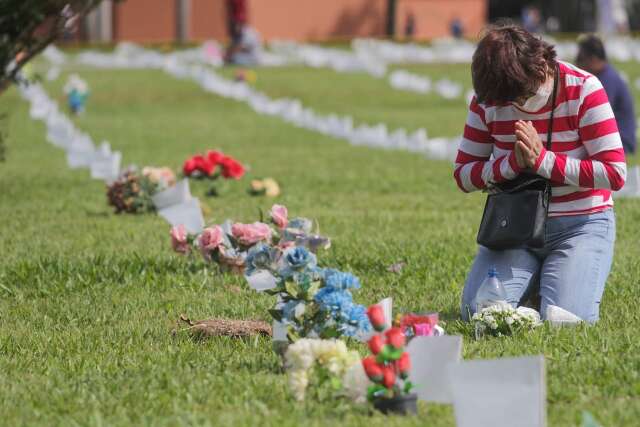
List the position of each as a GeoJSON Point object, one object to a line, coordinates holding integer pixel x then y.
{"type": "Point", "coordinates": [88, 298]}
{"type": "Point", "coordinates": [28, 26]}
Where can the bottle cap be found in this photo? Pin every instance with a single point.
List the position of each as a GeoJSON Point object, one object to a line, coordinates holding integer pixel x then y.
{"type": "Point", "coordinates": [493, 272]}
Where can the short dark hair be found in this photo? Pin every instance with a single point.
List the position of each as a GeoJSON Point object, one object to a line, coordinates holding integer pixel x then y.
{"type": "Point", "coordinates": [510, 63]}
{"type": "Point", "coordinates": [590, 45]}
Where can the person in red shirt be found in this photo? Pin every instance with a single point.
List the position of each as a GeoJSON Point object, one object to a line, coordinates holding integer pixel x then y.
{"type": "Point", "coordinates": [236, 18]}
{"type": "Point", "coordinates": [505, 135]}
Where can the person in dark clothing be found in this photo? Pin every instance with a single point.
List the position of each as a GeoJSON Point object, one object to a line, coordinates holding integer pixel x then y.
{"type": "Point", "coordinates": [236, 18]}
{"type": "Point", "coordinates": [592, 58]}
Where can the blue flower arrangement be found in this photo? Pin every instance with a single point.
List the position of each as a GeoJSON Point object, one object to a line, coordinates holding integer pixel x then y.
{"type": "Point", "coordinates": [316, 301]}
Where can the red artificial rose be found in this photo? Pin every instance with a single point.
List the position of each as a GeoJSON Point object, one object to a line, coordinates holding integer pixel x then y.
{"type": "Point", "coordinates": [395, 337]}
{"type": "Point", "coordinates": [388, 377]}
{"type": "Point", "coordinates": [404, 364]}
{"type": "Point", "coordinates": [376, 317]}
{"type": "Point", "coordinates": [204, 165]}
{"type": "Point", "coordinates": [372, 368]}
{"type": "Point", "coordinates": [376, 344]}
{"type": "Point", "coordinates": [215, 157]}
{"type": "Point", "coordinates": [189, 167]}
{"type": "Point", "coordinates": [231, 168]}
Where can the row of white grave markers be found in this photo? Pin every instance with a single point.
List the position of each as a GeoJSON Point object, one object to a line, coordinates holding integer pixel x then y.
{"type": "Point", "coordinates": [446, 88]}
{"type": "Point", "coordinates": [361, 60]}
{"type": "Point", "coordinates": [289, 110]}
{"type": "Point", "coordinates": [175, 204]}
{"type": "Point", "coordinates": [619, 48]}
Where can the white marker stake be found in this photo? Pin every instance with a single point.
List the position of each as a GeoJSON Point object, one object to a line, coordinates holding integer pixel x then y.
{"type": "Point", "coordinates": [499, 393]}
{"type": "Point", "coordinates": [106, 168]}
{"type": "Point", "coordinates": [387, 308]}
{"type": "Point", "coordinates": [261, 280]}
{"type": "Point", "coordinates": [175, 195]}
{"type": "Point", "coordinates": [188, 213]}
{"type": "Point", "coordinates": [430, 357]}
{"type": "Point", "coordinates": [632, 185]}
{"type": "Point", "coordinates": [279, 331]}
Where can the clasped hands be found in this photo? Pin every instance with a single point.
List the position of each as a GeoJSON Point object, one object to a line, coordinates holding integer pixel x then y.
{"type": "Point", "coordinates": [528, 144]}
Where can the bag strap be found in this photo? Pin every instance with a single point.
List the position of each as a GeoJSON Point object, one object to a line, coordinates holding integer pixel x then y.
{"type": "Point", "coordinates": [556, 77]}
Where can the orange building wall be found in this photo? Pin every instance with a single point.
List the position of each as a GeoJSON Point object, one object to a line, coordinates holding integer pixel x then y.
{"type": "Point", "coordinates": [145, 21]}
{"type": "Point", "coordinates": [208, 20]}
{"type": "Point", "coordinates": [317, 19]}
{"type": "Point", "coordinates": [433, 17]}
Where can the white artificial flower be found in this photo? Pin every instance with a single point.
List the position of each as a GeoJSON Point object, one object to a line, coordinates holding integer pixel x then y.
{"type": "Point", "coordinates": [298, 382]}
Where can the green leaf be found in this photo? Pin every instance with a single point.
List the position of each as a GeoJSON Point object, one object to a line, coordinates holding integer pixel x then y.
{"type": "Point", "coordinates": [395, 353]}
{"type": "Point", "coordinates": [292, 335]}
{"type": "Point", "coordinates": [292, 288]}
{"type": "Point", "coordinates": [313, 289]}
{"type": "Point", "coordinates": [276, 314]}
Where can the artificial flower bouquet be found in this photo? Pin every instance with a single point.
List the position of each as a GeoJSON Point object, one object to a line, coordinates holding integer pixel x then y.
{"type": "Point", "coordinates": [213, 166]}
{"type": "Point", "coordinates": [132, 191]}
{"type": "Point", "coordinates": [245, 248]}
{"type": "Point", "coordinates": [314, 301]}
{"type": "Point", "coordinates": [417, 325]}
{"type": "Point", "coordinates": [502, 319]}
{"type": "Point", "coordinates": [246, 76]}
{"type": "Point", "coordinates": [264, 187]}
{"type": "Point", "coordinates": [77, 92]}
{"type": "Point", "coordinates": [322, 367]}
{"type": "Point", "coordinates": [388, 368]}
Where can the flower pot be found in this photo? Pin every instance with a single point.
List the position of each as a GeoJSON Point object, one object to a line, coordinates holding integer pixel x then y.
{"type": "Point", "coordinates": [400, 405]}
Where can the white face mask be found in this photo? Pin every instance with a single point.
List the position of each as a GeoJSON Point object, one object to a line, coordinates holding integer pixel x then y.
{"type": "Point", "coordinates": [540, 99]}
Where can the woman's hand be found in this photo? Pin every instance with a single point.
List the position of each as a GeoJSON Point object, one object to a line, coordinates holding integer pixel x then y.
{"type": "Point", "coordinates": [528, 144]}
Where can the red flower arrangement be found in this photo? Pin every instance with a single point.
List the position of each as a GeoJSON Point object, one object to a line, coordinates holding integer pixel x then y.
{"type": "Point", "coordinates": [388, 366]}
{"type": "Point", "coordinates": [213, 165]}
{"type": "Point", "coordinates": [413, 324]}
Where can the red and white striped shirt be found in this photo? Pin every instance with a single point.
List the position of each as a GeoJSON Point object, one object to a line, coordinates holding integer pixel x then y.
{"type": "Point", "coordinates": [586, 161]}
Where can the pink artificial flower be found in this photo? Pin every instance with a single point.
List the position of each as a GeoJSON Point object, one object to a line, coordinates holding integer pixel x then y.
{"type": "Point", "coordinates": [210, 239]}
{"type": "Point", "coordinates": [179, 239]}
{"type": "Point", "coordinates": [250, 234]}
{"type": "Point", "coordinates": [423, 329]}
{"type": "Point", "coordinates": [280, 216]}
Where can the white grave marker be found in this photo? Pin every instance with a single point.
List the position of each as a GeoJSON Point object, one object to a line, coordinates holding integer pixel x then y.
{"type": "Point", "coordinates": [430, 357]}
{"type": "Point", "coordinates": [175, 195]}
{"type": "Point", "coordinates": [499, 393]}
{"type": "Point", "coordinates": [188, 213]}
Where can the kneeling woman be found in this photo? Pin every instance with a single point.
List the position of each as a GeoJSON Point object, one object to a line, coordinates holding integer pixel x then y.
{"type": "Point", "coordinates": [514, 75]}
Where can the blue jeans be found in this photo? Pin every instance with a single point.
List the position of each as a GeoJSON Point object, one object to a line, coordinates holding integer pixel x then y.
{"type": "Point", "coordinates": [572, 268]}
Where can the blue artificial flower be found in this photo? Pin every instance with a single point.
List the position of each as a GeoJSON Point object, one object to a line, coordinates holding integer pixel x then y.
{"type": "Point", "coordinates": [298, 259]}
{"type": "Point", "coordinates": [339, 280]}
{"type": "Point", "coordinates": [259, 257]}
{"type": "Point", "coordinates": [333, 301]}
{"type": "Point", "coordinates": [354, 320]}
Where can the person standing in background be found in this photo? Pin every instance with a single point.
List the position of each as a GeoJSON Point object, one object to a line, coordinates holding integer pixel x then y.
{"type": "Point", "coordinates": [410, 26]}
{"type": "Point", "coordinates": [592, 58]}
{"type": "Point", "coordinates": [237, 17]}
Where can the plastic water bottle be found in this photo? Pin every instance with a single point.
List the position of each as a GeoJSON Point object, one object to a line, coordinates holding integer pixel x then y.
{"type": "Point", "coordinates": [491, 292]}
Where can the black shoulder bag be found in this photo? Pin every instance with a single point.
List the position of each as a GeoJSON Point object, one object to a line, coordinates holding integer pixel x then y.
{"type": "Point", "coordinates": [515, 214]}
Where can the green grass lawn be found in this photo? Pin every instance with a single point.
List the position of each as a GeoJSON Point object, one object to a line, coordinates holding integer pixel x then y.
{"type": "Point", "coordinates": [88, 298]}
